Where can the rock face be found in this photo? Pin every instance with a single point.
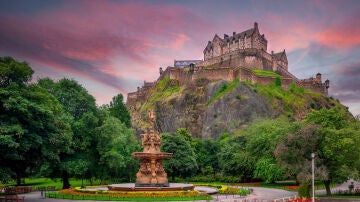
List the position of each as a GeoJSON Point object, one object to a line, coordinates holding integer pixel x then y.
{"type": "Point", "coordinates": [209, 108]}
{"type": "Point", "coordinates": [234, 110]}
{"type": "Point", "coordinates": [195, 107]}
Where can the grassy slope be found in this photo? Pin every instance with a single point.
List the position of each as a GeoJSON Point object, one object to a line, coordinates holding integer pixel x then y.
{"type": "Point", "coordinates": [260, 72]}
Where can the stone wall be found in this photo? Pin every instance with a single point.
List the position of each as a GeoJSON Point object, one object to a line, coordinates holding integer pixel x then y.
{"type": "Point", "coordinates": [213, 74]}
{"type": "Point", "coordinates": [250, 58]}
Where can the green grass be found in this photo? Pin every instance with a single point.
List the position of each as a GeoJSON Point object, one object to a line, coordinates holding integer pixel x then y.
{"type": "Point", "coordinates": [265, 73]}
{"type": "Point", "coordinates": [224, 89]}
{"type": "Point", "coordinates": [114, 198]}
{"type": "Point", "coordinates": [51, 182]}
{"type": "Point", "coordinates": [164, 88]}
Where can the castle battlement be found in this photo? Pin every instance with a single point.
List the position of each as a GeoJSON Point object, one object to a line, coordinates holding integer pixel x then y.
{"type": "Point", "coordinates": [233, 57]}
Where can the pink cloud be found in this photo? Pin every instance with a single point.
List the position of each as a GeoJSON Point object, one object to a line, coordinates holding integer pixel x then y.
{"type": "Point", "coordinates": [83, 37]}
{"type": "Point", "coordinates": [180, 39]}
{"type": "Point", "coordinates": [344, 35]}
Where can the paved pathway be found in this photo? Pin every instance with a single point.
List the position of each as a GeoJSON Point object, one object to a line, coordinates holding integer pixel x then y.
{"type": "Point", "coordinates": [342, 187]}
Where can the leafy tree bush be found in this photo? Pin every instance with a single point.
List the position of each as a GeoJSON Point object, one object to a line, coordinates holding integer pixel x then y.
{"type": "Point", "coordinates": [33, 127]}
{"type": "Point", "coordinates": [183, 162]}
{"type": "Point", "coordinates": [303, 190]}
{"type": "Point", "coordinates": [278, 81]}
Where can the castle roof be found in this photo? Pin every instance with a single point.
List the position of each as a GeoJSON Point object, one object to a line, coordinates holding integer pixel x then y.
{"type": "Point", "coordinates": [235, 37]}
{"type": "Point", "coordinates": [184, 63]}
{"type": "Point", "coordinates": [242, 35]}
{"type": "Point", "coordinates": [280, 55]}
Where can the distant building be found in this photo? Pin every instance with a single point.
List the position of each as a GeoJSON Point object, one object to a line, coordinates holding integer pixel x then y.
{"type": "Point", "coordinates": [185, 63]}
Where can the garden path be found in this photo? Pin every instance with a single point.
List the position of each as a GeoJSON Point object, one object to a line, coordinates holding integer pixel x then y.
{"type": "Point", "coordinates": [342, 187]}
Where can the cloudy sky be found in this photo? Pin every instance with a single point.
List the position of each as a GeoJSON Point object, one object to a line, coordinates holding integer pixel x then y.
{"type": "Point", "coordinates": [111, 46]}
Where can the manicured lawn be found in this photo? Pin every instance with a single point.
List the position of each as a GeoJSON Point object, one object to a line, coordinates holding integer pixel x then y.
{"type": "Point", "coordinates": [51, 182]}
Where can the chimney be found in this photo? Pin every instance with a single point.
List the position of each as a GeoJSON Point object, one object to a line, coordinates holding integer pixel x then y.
{"type": "Point", "coordinates": [255, 25]}
{"type": "Point", "coordinates": [272, 52]}
{"type": "Point", "coordinates": [234, 33]}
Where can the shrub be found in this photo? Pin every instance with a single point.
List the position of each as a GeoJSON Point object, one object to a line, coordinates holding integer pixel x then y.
{"type": "Point", "coordinates": [278, 81]}
{"type": "Point", "coordinates": [303, 190]}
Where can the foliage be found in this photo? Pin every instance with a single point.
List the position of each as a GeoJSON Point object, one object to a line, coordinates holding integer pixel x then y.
{"type": "Point", "coordinates": [295, 102]}
{"type": "Point", "coordinates": [329, 118]}
{"type": "Point", "coordinates": [294, 152]}
{"type": "Point", "coordinates": [12, 71]}
{"type": "Point", "coordinates": [115, 144]}
{"type": "Point", "coordinates": [183, 162]}
{"type": "Point", "coordinates": [207, 157]}
{"type": "Point", "coordinates": [185, 134]}
{"type": "Point", "coordinates": [278, 81]}
{"type": "Point", "coordinates": [118, 109]}
{"type": "Point", "coordinates": [224, 89]}
{"type": "Point", "coordinates": [234, 159]}
{"type": "Point", "coordinates": [303, 190]}
{"type": "Point", "coordinates": [233, 190]}
{"type": "Point", "coordinates": [267, 169]}
{"type": "Point", "coordinates": [33, 128]}
{"type": "Point", "coordinates": [265, 73]}
{"type": "Point", "coordinates": [74, 98]}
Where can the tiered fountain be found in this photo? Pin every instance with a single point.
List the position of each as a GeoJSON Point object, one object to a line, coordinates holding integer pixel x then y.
{"type": "Point", "coordinates": [151, 172]}
{"type": "Point", "coordinates": [151, 175]}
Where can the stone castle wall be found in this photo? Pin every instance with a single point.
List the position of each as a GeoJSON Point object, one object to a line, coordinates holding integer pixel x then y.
{"type": "Point", "coordinates": [251, 58]}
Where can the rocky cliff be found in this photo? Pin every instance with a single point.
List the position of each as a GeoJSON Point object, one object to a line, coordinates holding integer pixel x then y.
{"type": "Point", "coordinates": [208, 109]}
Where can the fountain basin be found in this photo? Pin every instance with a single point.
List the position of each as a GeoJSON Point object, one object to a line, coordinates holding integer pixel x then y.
{"type": "Point", "coordinates": [132, 187]}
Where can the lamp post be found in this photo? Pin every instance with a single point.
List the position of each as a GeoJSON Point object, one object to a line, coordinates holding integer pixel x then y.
{"type": "Point", "coordinates": [312, 176]}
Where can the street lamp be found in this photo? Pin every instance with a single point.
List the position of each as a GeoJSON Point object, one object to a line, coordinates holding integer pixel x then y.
{"type": "Point", "coordinates": [313, 176]}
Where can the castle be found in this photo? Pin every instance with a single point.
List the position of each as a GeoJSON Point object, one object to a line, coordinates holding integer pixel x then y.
{"type": "Point", "coordinates": [231, 57]}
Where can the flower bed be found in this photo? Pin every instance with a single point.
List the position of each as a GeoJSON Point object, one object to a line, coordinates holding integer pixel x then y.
{"type": "Point", "coordinates": [224, 189]}
{"type": "Point", "coordinates": [79, 193]}
{"type": "Point", "coordinates": [294, 187]}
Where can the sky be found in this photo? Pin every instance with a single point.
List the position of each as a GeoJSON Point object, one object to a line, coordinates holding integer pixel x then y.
{"type": "Point", "coordinates": [111, 46]}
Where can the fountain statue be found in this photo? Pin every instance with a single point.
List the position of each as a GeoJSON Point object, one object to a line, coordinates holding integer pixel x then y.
{"type": "Point", "coordinates": [151, 172]}
{"type": "Point", "coordinates": [151, 175]}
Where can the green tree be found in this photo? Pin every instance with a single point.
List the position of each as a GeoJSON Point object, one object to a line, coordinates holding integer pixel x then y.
{"type": "Point", "coordinates": [267, 169]}
{"type": "Point", "coordinates": [78, 104]}
{"type": "Point", "coordinates": [294, 154]}
{"type": "Point", "coordinates": [207, 155]}
{"type": "Point", "coordinates": [118, 109]}
{"type": "Point", "coordinates": [183, 162]}
{"type": "Point", "coordinates": [234, 159]}
{"type": "Point", "coordinates": [115, 144]}
{"type": "Point", "coordinates": [333, 136]}
{"type": "Point", "coordinates": [262, 138]}
{"type": "Point", "coordinates": [12, 71]}
{"type": "Point", "coordinates": [33, 127]}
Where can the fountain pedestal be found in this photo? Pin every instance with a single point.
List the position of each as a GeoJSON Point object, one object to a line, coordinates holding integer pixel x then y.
{"type": "Point", "coordinates": [151, 172]}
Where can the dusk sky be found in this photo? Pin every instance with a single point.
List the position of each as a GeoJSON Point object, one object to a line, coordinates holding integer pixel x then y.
{"type": "Point", "coordinates": [111, 46]}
